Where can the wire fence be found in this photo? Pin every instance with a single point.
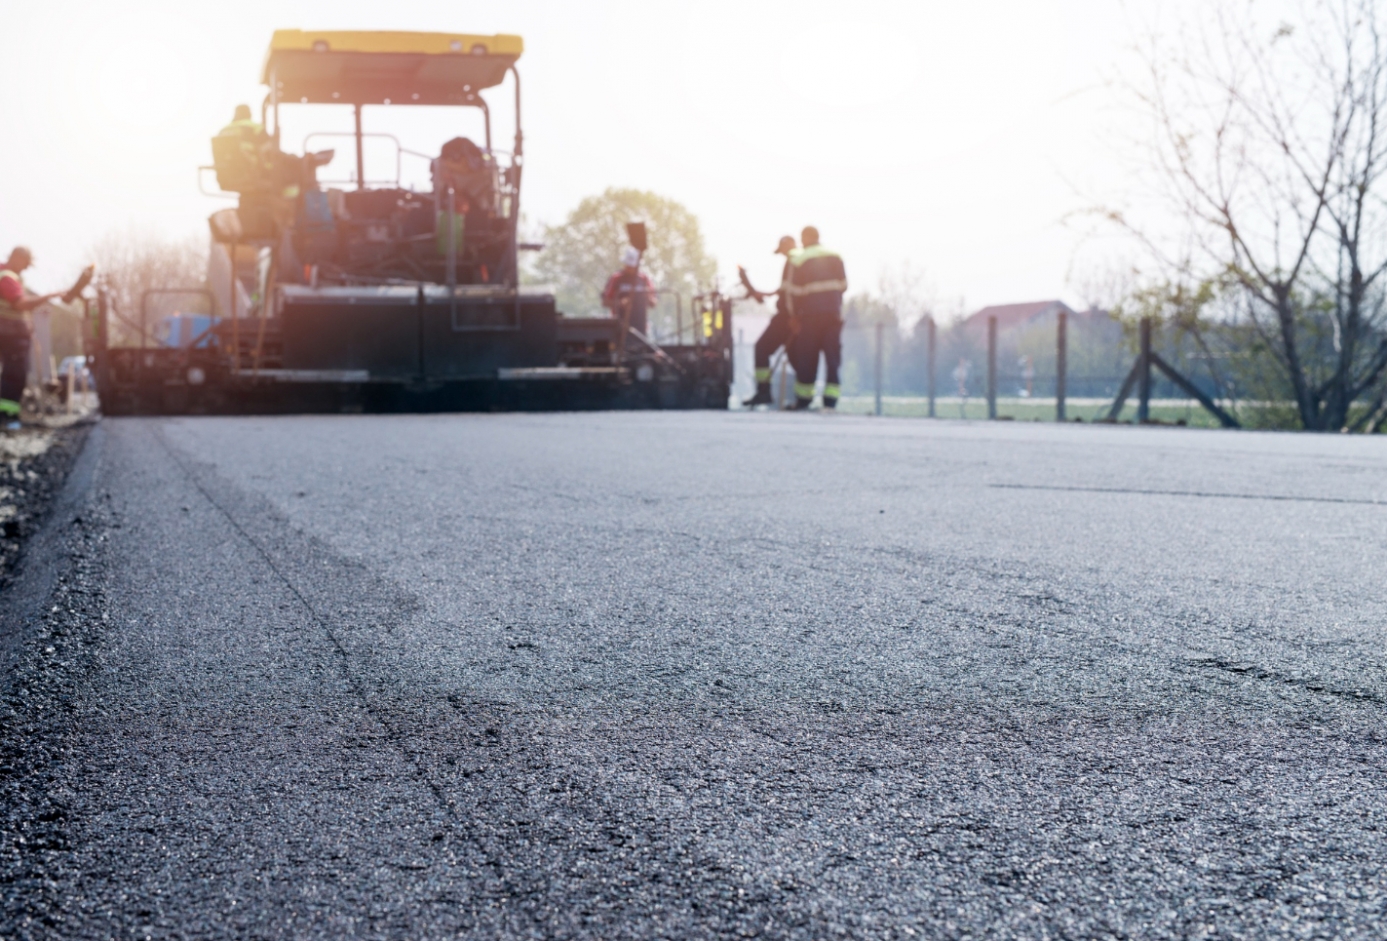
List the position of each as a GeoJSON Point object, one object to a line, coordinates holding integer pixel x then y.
{"type": "Point", "coordinates": [953, 375]}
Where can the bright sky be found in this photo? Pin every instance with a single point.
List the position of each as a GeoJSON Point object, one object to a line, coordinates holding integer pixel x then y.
{"type": "Point", "coordinates": [955, 137]}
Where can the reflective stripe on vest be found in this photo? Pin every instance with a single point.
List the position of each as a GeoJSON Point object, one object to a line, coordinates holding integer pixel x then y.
{"type": "Point", "coordinates": [817, 280]}
{"type": "Point", "coordinates": [800, 255]}
{"type": "Point", "coordinates": [819, 287]}
{"type": "Point", "coordinates": [238, 128]}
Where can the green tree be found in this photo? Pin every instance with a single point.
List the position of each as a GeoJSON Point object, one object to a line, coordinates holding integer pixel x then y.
{"type": "Point", "coordinates": [582, 253]}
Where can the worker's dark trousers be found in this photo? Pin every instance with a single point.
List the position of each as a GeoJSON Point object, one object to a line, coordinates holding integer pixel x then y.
{"type": "Point", "coordinates": [776, 335]}
{"type": "Point", "coordinates": [14, 360]}
{"type": "Point", "coordinates": [818, 333]}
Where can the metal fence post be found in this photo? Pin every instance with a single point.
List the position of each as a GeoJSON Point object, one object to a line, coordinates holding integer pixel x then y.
{"type": "Point", "coordinates": [233, 311]}
{"type": "Point", "coordinates": [1144, 373]}
{"type": "Point", "coordinates": [991, 367]}
{"type": "Point", "coordinates": [1061, 363]}
{"type": "Point", "coordinates": [931, 365]}
{"type": "Point", "coordinates": [103, 338]}
{"type": "Point", "coordinates": [881, 330]}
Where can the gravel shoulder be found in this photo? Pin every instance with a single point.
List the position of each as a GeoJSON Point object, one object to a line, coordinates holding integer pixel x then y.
{"type": "Point", "coordinates": [33, 466]}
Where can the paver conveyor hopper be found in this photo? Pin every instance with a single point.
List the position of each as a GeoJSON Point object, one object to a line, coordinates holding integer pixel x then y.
{"type": "Point", "coordinates": [380, 295]}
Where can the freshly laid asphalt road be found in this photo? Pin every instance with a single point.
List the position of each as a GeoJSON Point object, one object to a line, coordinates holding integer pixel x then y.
{"type": "Point", "coordinates": [704, 675]}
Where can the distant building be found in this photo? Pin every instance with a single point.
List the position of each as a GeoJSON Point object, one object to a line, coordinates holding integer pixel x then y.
{"type": "Point", "coordinates": [1012, 316]}
{"type": "Point", "coordinates": [1017, 321]}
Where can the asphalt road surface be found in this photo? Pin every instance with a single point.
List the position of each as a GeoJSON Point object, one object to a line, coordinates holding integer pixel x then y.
{"type": "Point", "coordinates": [703, 675]}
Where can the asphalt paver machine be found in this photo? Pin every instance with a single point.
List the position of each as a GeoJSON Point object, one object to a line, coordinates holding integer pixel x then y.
{"type": "Point", "coordinates": [380, 296]}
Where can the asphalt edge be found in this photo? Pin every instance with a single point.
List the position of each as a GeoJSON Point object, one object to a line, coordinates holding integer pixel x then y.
{"type": "Point", "coordinates": [45, 558]}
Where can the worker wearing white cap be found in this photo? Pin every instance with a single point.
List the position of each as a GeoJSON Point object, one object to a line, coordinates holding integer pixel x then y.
{"type": "Point", "coordinates": [779, 332]}
{"type": "Point", "coordinates": [630, 293]}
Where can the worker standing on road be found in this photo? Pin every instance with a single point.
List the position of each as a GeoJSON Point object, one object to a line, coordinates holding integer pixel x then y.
{"type": "Point", "coordinates": [817, 284]}
{"type": "Point", "coordinates": [779, 332]}
{"type": "Point", "coordinates": [630, 293]}
{"type": "Point", "coordinates": [15, 330]}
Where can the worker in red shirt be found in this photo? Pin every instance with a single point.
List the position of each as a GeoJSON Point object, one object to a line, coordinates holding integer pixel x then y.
{"type": "Point", "coordinates": [630, 293]}
{"type": "Point", "coordinates": [15, 329]}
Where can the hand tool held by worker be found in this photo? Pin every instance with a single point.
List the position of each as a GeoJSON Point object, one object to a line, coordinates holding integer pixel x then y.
{"type": "Point", "coordinates": [84, 279]}
{"type": "Point", "coordinates": [751, 292]}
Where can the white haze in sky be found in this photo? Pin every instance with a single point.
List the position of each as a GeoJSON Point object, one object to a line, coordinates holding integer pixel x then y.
{"type": "Point", "coordinates": [954, 137]}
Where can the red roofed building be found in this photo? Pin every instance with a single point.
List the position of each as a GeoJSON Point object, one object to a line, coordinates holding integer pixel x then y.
{"type": "Point", "coordinates": [1011, 316]}
{"type": "Point", "coordinates": [1026, 341]}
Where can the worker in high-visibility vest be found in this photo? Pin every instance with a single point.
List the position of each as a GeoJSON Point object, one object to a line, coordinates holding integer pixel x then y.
{"type": "Point", "coordinates": [15, 331]}
{"type": "Point", "coordinates": [779, 332]}
{"type": "Point", "coordinates": [243, 154]}
{"type": "Point", "coordinates": [817, 284]}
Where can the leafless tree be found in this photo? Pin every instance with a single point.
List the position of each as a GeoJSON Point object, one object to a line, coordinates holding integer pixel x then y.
{"type": "Point", "coordinates": [1270, 141]}
{"type": "Point", "coordinates": [1102, 287]}
{"type": "Point", "coordinates": [906, 291]}
{"type": "Point", "coordinates": [133, 262]}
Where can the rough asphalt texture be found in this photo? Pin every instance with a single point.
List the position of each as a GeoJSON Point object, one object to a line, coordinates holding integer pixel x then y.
{"type": "Point", "coordinates": [703, 675]}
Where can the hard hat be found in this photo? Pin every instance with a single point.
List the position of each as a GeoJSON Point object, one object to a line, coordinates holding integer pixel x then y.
{"type": "Point", "coordinates": [787, 245]}
{"type": "Point", "coordinates": [630, 257]}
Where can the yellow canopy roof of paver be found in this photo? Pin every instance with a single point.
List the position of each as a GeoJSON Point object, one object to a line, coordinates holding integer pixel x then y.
{"type": "Point", "coordinates": [387, 67]}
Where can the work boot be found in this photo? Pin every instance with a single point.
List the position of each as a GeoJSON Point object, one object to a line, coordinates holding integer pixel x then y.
{"type": "Point", "coordinates": [762, 396]}
{"type": "Point", "coordinates": [802, 404]}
